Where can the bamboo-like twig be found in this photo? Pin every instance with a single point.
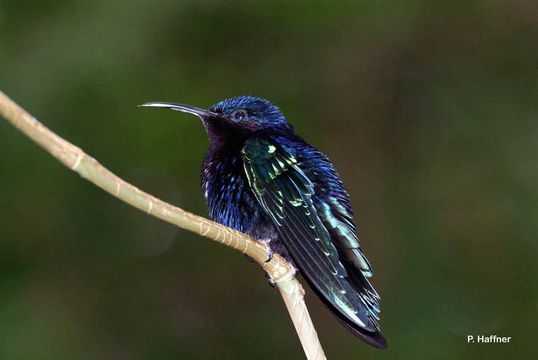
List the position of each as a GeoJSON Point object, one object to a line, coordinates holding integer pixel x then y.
{"type": "Point", "coordinates": [74, 158]}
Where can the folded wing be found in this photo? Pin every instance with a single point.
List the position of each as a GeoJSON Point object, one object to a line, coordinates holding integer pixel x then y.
{"type": "Point", "coordinates": [319, 236]}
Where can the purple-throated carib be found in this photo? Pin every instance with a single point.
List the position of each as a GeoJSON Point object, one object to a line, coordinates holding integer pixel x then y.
{"type": "Point", "coordinates": [261, 178]}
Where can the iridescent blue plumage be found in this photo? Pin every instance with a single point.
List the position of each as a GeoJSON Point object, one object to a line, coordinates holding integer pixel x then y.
{"type": "Point", "coordinates": [260, 178]}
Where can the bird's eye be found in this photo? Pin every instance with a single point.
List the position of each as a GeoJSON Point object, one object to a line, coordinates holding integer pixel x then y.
{"type": "Point", "coordinates": [239, 115]}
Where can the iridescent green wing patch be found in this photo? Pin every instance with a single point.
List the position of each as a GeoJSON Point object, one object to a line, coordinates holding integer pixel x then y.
{"type": "Point", "coordinates": [285, 193]}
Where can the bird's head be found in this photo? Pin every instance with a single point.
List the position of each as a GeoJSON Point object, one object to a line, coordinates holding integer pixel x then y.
{"type": "Point", "coordinates": [237, 116]}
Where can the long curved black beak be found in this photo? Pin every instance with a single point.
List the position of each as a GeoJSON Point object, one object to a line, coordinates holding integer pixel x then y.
{"type": "Point", "coordinates": [201, 113]}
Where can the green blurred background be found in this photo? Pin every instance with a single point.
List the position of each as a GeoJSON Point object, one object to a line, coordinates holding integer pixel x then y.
{"type": "Point", "coordinates": [429, 113]}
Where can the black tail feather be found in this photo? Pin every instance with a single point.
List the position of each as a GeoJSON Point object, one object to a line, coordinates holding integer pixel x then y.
{"type": "Point", "coordinates": [372, 338]}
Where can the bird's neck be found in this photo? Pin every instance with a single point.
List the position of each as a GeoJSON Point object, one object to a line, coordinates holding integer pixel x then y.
{"type": "Point", "coordinates": [224, 145]}
{"type": "Point", "coordinates": [220, 135]}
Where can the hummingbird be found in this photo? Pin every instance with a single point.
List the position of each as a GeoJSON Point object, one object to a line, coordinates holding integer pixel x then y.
{"type": "Point", "coordinates": [261, 178]}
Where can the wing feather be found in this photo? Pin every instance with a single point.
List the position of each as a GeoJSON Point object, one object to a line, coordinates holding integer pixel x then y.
{"type": "Point", "coordinates": [286, 194]}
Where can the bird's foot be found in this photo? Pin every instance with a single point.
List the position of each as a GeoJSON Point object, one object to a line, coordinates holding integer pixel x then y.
{"type": "Point", "coordinates": [270, 256]}
{"type": "Point", "coordinates": [270, 281]}
{"type": "Point", "coordinates": [267, 242]}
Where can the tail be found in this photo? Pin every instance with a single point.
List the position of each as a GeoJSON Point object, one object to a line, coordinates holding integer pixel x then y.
{"type": "Point", "coordinates": [363, 287]}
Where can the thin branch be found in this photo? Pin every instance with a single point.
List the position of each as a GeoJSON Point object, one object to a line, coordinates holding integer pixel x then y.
{"type": "Point", "coordinates": [74, 158]}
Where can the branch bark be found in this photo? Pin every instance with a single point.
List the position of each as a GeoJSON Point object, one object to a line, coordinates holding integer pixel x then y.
{"type": "Point", "coordinates": [77, 160]}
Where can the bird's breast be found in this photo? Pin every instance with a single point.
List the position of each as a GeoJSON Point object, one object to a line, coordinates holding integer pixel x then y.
{"type": "Point", "coordinates": [227, 193]}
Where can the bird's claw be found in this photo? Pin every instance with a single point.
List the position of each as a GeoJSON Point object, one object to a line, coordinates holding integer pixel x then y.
{"type": "Point", "coordinates": [270, 280]}
{"type": "Point", "coordinates": [270, 256]}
